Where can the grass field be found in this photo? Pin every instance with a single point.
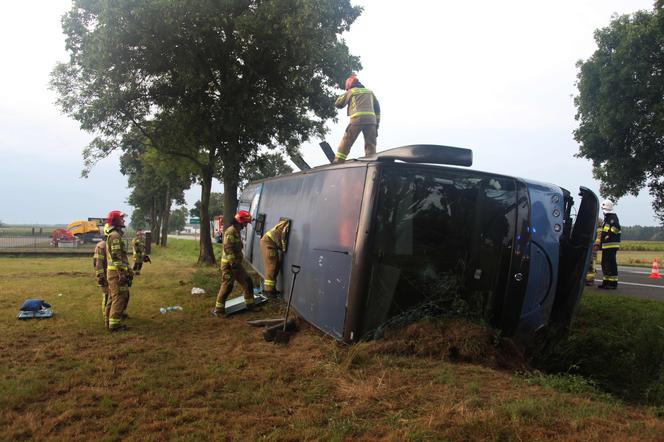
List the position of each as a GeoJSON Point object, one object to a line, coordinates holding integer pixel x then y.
{"type": "Point", "coordinates": [189, 376]}
{"type": "Point", "coordinates": [640, 253]}
{"type": "Point", "coordinates": [28, 230]}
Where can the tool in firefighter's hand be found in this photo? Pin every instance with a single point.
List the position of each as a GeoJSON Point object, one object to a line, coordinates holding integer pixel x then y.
{"type": "Point", "coordinates": [283, 336]}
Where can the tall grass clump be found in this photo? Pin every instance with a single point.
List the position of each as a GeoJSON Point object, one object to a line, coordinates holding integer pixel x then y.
{"type": "Point", "coordinates": [618, 343]}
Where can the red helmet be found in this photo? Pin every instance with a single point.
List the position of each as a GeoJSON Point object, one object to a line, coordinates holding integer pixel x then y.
{"type": "Point", "coordinates": [115, 218]}
{"type": "Point", "coordinates": [243, 217]}
{"type": "Point", "coordinates": [350, 81]}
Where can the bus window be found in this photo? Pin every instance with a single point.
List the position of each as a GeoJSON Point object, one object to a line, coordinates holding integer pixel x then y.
{"type": "Point", "coordinates": [441, 238]}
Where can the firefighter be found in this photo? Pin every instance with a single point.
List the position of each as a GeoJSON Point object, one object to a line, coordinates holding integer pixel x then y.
{"type": "Point", "coordinates": [231, 265]}
{"type": "Point", "coordinates": [99, 263]}
{"type": "Point", "coordinates": [138, 247]}
{"type": "Point", "coordinates": [118, 273]}
{"type": "Point", "coordinates": [610, 244]}
{"type": "Point", "coordinates": [364, 112]}
{"type": "Point", "coordinates": [590, 276]}
{"type": "Point", "coordinates": [271, 243]}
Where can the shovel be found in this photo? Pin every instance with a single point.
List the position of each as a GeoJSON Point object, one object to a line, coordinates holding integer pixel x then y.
{"type": "Point", "coordinates": [283, 336]}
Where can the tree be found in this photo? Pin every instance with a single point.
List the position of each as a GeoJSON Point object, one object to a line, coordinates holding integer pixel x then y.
{"type": "Point", "coordinates": [138, 219]}
{"type": "Point", "coordinates": [264, 166]}
{"type": "Point", "coordinates": [620, 107]}
{"type": "Point", "coordinates": [215, 206]}
{"type": "Point", "coordinates": [178, 219]}
{"type": "Point", "coordinates": [156, 182]}
{"type": "Point", "coordinates": [209, 82]}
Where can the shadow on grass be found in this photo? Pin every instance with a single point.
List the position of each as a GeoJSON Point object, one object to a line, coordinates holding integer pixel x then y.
{"type": "Point", "coordinates": [618, 344]}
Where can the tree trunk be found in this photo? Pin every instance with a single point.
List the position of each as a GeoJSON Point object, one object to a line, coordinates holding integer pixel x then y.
{"type": "Point", "coordinates": [166, 214]}
{"type": "Point", "coordinates": [231, 180]}
{"type": "Point", "coordinates": [154, 221]}
{"type": "Point", "coordinates": [206, 254]}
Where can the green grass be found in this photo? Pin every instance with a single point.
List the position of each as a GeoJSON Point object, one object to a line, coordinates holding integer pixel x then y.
{"type": "Point", "coordinates": [639, 253]}
{"type": "Point", "coordinates": [618, 344]}
{"type": "Point", "coordinates": [12, 230]}
{"type": "Point", "coordinates": [641, 246]}
{"type": "Point", "coordinates": [189, 376]}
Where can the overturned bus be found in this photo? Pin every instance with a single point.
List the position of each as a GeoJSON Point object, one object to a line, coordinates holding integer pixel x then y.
{"type": "Point", "coordinates": [382, 235]}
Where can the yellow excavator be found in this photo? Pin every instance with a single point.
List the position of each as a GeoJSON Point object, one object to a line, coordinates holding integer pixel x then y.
{"type": "Point", "coordinates": [85, 231]}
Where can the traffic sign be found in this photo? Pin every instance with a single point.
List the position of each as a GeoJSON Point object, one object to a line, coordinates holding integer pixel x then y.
{"type": "Point", "coordinates": [194, 220]}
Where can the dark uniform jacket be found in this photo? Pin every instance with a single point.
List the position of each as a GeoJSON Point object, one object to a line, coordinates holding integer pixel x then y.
{"type": "Point", "coordinates": [232, 248]}
{"type": "Point", "coordinates": [610, 231]}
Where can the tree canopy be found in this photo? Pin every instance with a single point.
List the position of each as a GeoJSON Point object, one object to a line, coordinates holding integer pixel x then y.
{"type": "Point", "coordinates": [210, 82]}
{"type": "Point", "coordinates": [215, 208]}
{"type": "Point", "coordinates": [178, 219]}
{"type": "Point", "coordinates": [156, 181]}
{"type": "Point", "coordinates": [620, 106]}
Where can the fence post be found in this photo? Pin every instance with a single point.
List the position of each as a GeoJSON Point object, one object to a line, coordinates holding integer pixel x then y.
{"type": "Point", "coordinates": [148, 242]}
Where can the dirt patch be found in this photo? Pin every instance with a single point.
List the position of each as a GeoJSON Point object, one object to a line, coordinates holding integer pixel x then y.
{"type": "Point", "coordinates": [455, 340]}
{"type": "Point", "coordinates": [73, 273]}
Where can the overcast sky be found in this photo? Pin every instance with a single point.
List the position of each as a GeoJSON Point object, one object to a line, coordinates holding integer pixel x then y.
{"type": "Point", "coordinates": [496, 77]}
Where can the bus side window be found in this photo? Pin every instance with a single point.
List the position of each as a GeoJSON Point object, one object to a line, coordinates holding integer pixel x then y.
{"type": "Point", "coordinates": [260, 224]}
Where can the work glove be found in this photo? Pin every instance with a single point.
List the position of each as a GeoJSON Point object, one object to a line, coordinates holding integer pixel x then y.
{"type": "Point", "coordinates": [101, 281]}
{"type": "Point", "coordinates": [146, 258]}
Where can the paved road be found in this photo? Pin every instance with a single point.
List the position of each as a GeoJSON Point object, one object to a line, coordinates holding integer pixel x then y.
{"type": "Point", "coordinates": [634, 282]}
{"type": "Point", "coordinates": [191, 237]}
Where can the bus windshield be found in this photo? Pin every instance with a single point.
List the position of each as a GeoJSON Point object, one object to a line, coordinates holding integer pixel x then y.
{"type": "Point", "coordinates": [441, 243]}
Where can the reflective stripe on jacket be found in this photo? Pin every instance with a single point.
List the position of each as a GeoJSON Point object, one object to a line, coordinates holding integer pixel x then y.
{"type": "Point", "coordinates": [138, 246]}
{"type": "Point", "coordinates": [116, 255]}
{"type": "Point", "coordinates": [232, 248]}
{"type": "Point", "coordinates": [279, 233]}
{"type": "Point", "coordinates": [610, 231]}
{"type": "Point", "coordinates": [363, 107]}
{"type": "Point", "coordinates": [99, 259]}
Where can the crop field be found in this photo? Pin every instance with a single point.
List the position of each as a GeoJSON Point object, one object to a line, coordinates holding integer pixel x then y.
{"type": "Point", "coordinates": [640, 253]}
{"type": "Point", "coordinates": [186, 375]}
{"type": "Point", "coordinates": [640, 246]}
{"type": "Point", "coordinates": [27, 230]}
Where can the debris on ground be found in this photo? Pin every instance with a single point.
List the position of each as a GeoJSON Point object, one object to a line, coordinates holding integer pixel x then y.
{"type": "Point", "coordinates": [35, 309]}
{"type": "Point", "coordinates": [197, 291]}
{"type": "Point", "coordinates": [452, 339]}
{"type": "Point", "coordinates": [237, 304]}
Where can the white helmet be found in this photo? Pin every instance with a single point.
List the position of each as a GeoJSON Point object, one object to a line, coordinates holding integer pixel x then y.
{"type": "Point", "coordinates": [607, 206]}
